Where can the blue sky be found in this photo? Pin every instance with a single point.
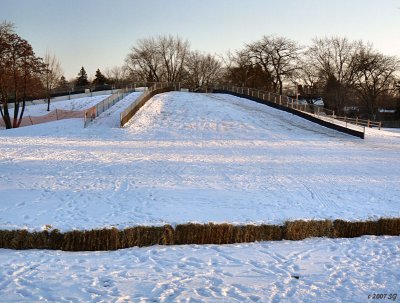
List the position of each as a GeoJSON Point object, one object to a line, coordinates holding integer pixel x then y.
{"type": "Point", "coordinates": [99, 33]}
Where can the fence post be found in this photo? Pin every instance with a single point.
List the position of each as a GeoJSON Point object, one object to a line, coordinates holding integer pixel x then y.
{"type": "Point", "coordinates": [280, 99]}
{"type": "Point", "coordinates": [369, 123]}
{"type": "Point", "coordinates": [380, 125]}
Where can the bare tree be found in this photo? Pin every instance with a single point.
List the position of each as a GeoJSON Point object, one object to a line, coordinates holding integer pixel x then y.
{"type": "Point", "coordinates": [202, 69]}
{"type": "Point", "coordinates": [334, 59]}
{"type": "Point", "coordinates": [116, 74]}
{"type": "Point", "coordinates": [158, 59]}
{"type": "Point", "coordinates": [374, 76]}
{"type": "Point", "coordinates": [19, 74]}
{"type": "Point", "coordinates": [51, 75]}
{"type": "Point", "coordinates": [144, 60]}
{"type": "Point", "coordinates": [277, 56]}
{"type": "Point", "coordinates": [240, 70]}
{"type": "Point", "coordinates": [309, 78]}
{"type": "Point", "coordinates": [173, 51]}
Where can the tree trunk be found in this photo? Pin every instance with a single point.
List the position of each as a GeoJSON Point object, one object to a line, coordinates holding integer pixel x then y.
{"type": "Point", "coordinates": [6, 116]}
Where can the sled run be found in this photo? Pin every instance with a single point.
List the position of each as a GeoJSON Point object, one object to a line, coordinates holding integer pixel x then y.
{"type": "Point", "coordinates": [199, 158]}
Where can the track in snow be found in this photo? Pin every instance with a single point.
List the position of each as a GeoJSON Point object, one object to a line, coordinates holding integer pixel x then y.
{"type": "Point", "coordinates": [313, 270]}
{"type": "Point", "coordinates": [194, 158]}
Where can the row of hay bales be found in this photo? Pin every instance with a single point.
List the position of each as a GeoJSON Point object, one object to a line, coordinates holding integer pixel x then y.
{"type": "Point", "coordinates": [112, 239]}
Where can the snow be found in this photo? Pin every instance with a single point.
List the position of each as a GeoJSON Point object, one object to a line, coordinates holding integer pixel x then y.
{"type": "Point", "coordinates": [313, 270]}
{"type": "Point", "coordinates": [200, 158]}
{"type": "Point", "coordinates": [189, 157]}
{"type": "Point", "coordinates": [111, 117]}
{"type": "Point", "coordinates": [73, 104]}
{"type": "Point", "coordinates": [318, 101]}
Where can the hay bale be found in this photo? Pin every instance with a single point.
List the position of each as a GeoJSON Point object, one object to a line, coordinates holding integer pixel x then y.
{"type": "Point", "coordinates": [38, 240]}
{"type": "Point", "coordinates": [56, 239]}
{"type": "Point", "coordinates": [91, 240]}
{"type": "Point", "coordinates": [190, 233]}
{"type": "Point", "coordinates": [20, 239]}
{"type": "Point", "coordinates": [345, 229]}
{"type": "Point", "coordinates": [389, 226]}
{"type": "Point", "coordinates": [251, 233]}
{"type": "Point", "coordinates": [219, 234]}
{"type": "Point", "coordinates": [5, 238]}
{"type": "Point", "coordinates": [147, 236]}
{"type": "Point", "coordinates": [23, 239]}
{"type": "Point", "coordinates": [225, 233]}
{"type": "Point", "coordinates": [210, 233]}
{"type": "Point", "coordinates": [300, 229]}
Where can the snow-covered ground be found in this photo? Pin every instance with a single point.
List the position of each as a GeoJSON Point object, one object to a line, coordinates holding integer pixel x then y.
{"type": "Point", "coordinates": [73, 104]}
{"type": "Point", "coordinates": [191, 157]}
{"type": "Point", "coordinates": [111, 117]}
{"type": "Point", "coordinates": [313, 270]}
{"type": "Point", "coordinates": [194, 158]}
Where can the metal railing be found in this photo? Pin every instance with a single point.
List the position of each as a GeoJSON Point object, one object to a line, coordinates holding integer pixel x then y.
{"type": "Point", "coordinates": [314, 110]}
{"type": "Point", "coordinates": [92, 113]}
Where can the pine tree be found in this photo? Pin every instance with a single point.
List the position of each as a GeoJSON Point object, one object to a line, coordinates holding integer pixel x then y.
{"type": "Point", "coordinates": [99, 79]}
{"type": "Point", "coordinates": [63, 84]}
{"type": "Point", "coordinates": [82, 79]}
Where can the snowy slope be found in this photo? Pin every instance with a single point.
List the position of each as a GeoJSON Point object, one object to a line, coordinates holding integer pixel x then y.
{"type": "Point", "coordinates": [314, 270]}
{"type": "Point", "coordinates": [194, 158]}
{"type": "Point", "coordinates": [73, 104]}
{"type": "Point", "coordinates": [111, 117]}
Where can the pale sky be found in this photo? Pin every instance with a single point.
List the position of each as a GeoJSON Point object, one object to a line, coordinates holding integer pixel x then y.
{"type": "Point", "coordinates": [99, 33]}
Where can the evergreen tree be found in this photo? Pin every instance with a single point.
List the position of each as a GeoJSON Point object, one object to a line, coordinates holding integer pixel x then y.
{"type": "Point", "coordinates": [82, 79]}
{"type": "Point", "coordinates": [99, 79]}
{"type": "Point", "coordinates": [63, 84]}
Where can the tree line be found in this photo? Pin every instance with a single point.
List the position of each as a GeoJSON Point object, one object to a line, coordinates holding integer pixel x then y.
{"type": "Point", "coordinates": [343, 72]}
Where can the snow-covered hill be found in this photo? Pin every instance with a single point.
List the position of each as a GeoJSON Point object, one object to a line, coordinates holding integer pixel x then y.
{"type": "Point", "coordinates": [191, 157]}
{"type": "Point", "coordinates": [194, 158]}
